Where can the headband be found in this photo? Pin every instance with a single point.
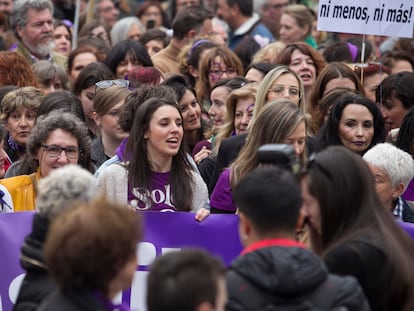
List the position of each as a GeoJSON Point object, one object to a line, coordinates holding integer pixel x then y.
{"type": "Point", "coordinates": [195, 45]}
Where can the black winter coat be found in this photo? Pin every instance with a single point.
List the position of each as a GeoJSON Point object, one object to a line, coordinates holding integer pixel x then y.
{"type": "Point", "coordinates": [274, 276]}
{"type": "Point", "coordinates": [71, 300]}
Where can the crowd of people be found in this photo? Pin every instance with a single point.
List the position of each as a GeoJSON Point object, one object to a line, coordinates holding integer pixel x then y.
{"type": "Point", "coordinates": [163, 106]}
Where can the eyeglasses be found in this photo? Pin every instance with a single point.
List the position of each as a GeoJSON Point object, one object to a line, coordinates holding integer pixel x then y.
{"type": "Point", "coordinates": [219, 73]}
{"type": "Point", "coordinates": [104, 84]}
{"type": "Point", "coordinates": [280, 90]}
{"type": "Point", "coordinates": [55, 150]}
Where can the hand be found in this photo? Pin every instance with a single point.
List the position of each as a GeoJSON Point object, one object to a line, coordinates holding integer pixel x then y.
{"type": "Point", "coordinates": [202, 214]}
{"type": "Point", "coordinates": [201, 155]}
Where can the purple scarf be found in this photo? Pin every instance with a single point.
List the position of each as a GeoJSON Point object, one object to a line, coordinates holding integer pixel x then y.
{"type": "Point", "coordinates": [108, 304]}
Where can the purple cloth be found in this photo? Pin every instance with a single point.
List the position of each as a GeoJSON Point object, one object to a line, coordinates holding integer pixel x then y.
{"type": "Point", "coordinates": [222, 196]}
{"type": "Point", "coordinates": [120, 151]}
{"type": "Point", "coordinates": [109, 305]}
{"type": "Point", "coordinates": [197, 148]}
{"type": "Point", "coordinates": [408, 195]}
{"type": "Point", "coordinates": [163, 232]}
{"type": "Point", "coordinates": [158, 198]}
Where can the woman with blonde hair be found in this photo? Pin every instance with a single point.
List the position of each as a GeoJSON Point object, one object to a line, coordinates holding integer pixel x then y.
{"type": "Point", "coordinates": [296, 24]}
{"type": "Point", "coordinates": [280, 82]}
{"type": "Point", "coordinates": [239, 113]}
{"type": "Point", "coordinates": [268, 53]}
{"type": "Point", "coordinates": [106, 106]}
{"type": "Point", "coordinates": [237, 116]}
{"type": "Point", "coordinates": [280, 122]}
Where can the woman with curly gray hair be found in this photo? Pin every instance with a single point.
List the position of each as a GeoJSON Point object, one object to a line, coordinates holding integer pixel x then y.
{"type": "Point", "coordinates": [57, 139]}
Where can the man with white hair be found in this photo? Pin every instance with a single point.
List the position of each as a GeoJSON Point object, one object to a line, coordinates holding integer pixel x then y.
{"type": "Point", "coordinates": [32, 24]}
{"type": "Point", "coordinates": [393, 169]}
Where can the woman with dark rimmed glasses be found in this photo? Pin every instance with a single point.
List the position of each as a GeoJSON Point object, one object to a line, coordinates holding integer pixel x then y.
{"type": "Point", "coordinates": [280, 82]}
{"type": "Point", "coordinates": [218, 63]}
{"type": "Point", "coordinates": [57, 139]}
{"type": "Point", "coordinates": [353, 232]}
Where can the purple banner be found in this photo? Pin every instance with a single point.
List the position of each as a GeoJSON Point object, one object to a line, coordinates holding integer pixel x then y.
{"type": "Point", "coordinates": [408, 227]}
{"type": "Point", "coordinates": [164, 232]}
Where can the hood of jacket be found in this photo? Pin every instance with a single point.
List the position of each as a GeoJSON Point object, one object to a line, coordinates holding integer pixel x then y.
{"type": "Point", "coordinates": [282, 271]}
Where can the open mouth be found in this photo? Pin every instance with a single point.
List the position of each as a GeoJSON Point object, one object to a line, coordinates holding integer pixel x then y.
{"type": "Point", "coordinates": [359, 143]}
{"type": "Point", "coordinates": [173, 142]}
{"type": "Point", "coordinates": [305, 76]}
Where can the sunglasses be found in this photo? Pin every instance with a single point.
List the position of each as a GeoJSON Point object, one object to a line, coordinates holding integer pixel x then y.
{"type": "Point", "coordinates": [104, 84]}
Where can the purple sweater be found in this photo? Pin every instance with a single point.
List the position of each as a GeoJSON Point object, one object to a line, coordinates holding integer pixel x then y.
{"type": "Point", "coordinates": [222, 196]}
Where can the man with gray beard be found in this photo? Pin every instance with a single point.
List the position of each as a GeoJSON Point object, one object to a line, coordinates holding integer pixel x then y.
{"type": "Point", "coordinates": [32, 24]}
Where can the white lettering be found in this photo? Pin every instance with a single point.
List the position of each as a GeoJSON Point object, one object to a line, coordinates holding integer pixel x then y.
{"type": "Point", "coordinates": [145, 199]}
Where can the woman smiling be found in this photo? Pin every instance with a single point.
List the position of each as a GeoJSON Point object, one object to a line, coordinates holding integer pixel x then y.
{"type": "Point", "coordinates": [56, 140]}
{"type": "Point", "coordinates": [158, 177]}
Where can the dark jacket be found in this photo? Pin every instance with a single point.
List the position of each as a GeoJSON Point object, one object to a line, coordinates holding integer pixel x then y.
{"type": "Point", "coordinates": [408, 211]}
{"type": "Point", "coordinates": [36, 284]}
{"type": "Point", "coordinates": [283, 271]}
{"type": "Point", "coordinates": [228, 152]}
{"type": "Point", "coordinates": [71, 300]}
{"type": "Point", "coordinates": [98, 155]}
{"type": "Point", "coordinates": [365, 259]}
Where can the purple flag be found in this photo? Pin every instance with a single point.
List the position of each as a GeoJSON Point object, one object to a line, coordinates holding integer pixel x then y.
{"type": "Point", "coordinates": [164, 232]}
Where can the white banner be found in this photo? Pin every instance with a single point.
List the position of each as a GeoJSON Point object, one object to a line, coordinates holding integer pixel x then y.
{"type": "Point", "coordinates": [373, 17]}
